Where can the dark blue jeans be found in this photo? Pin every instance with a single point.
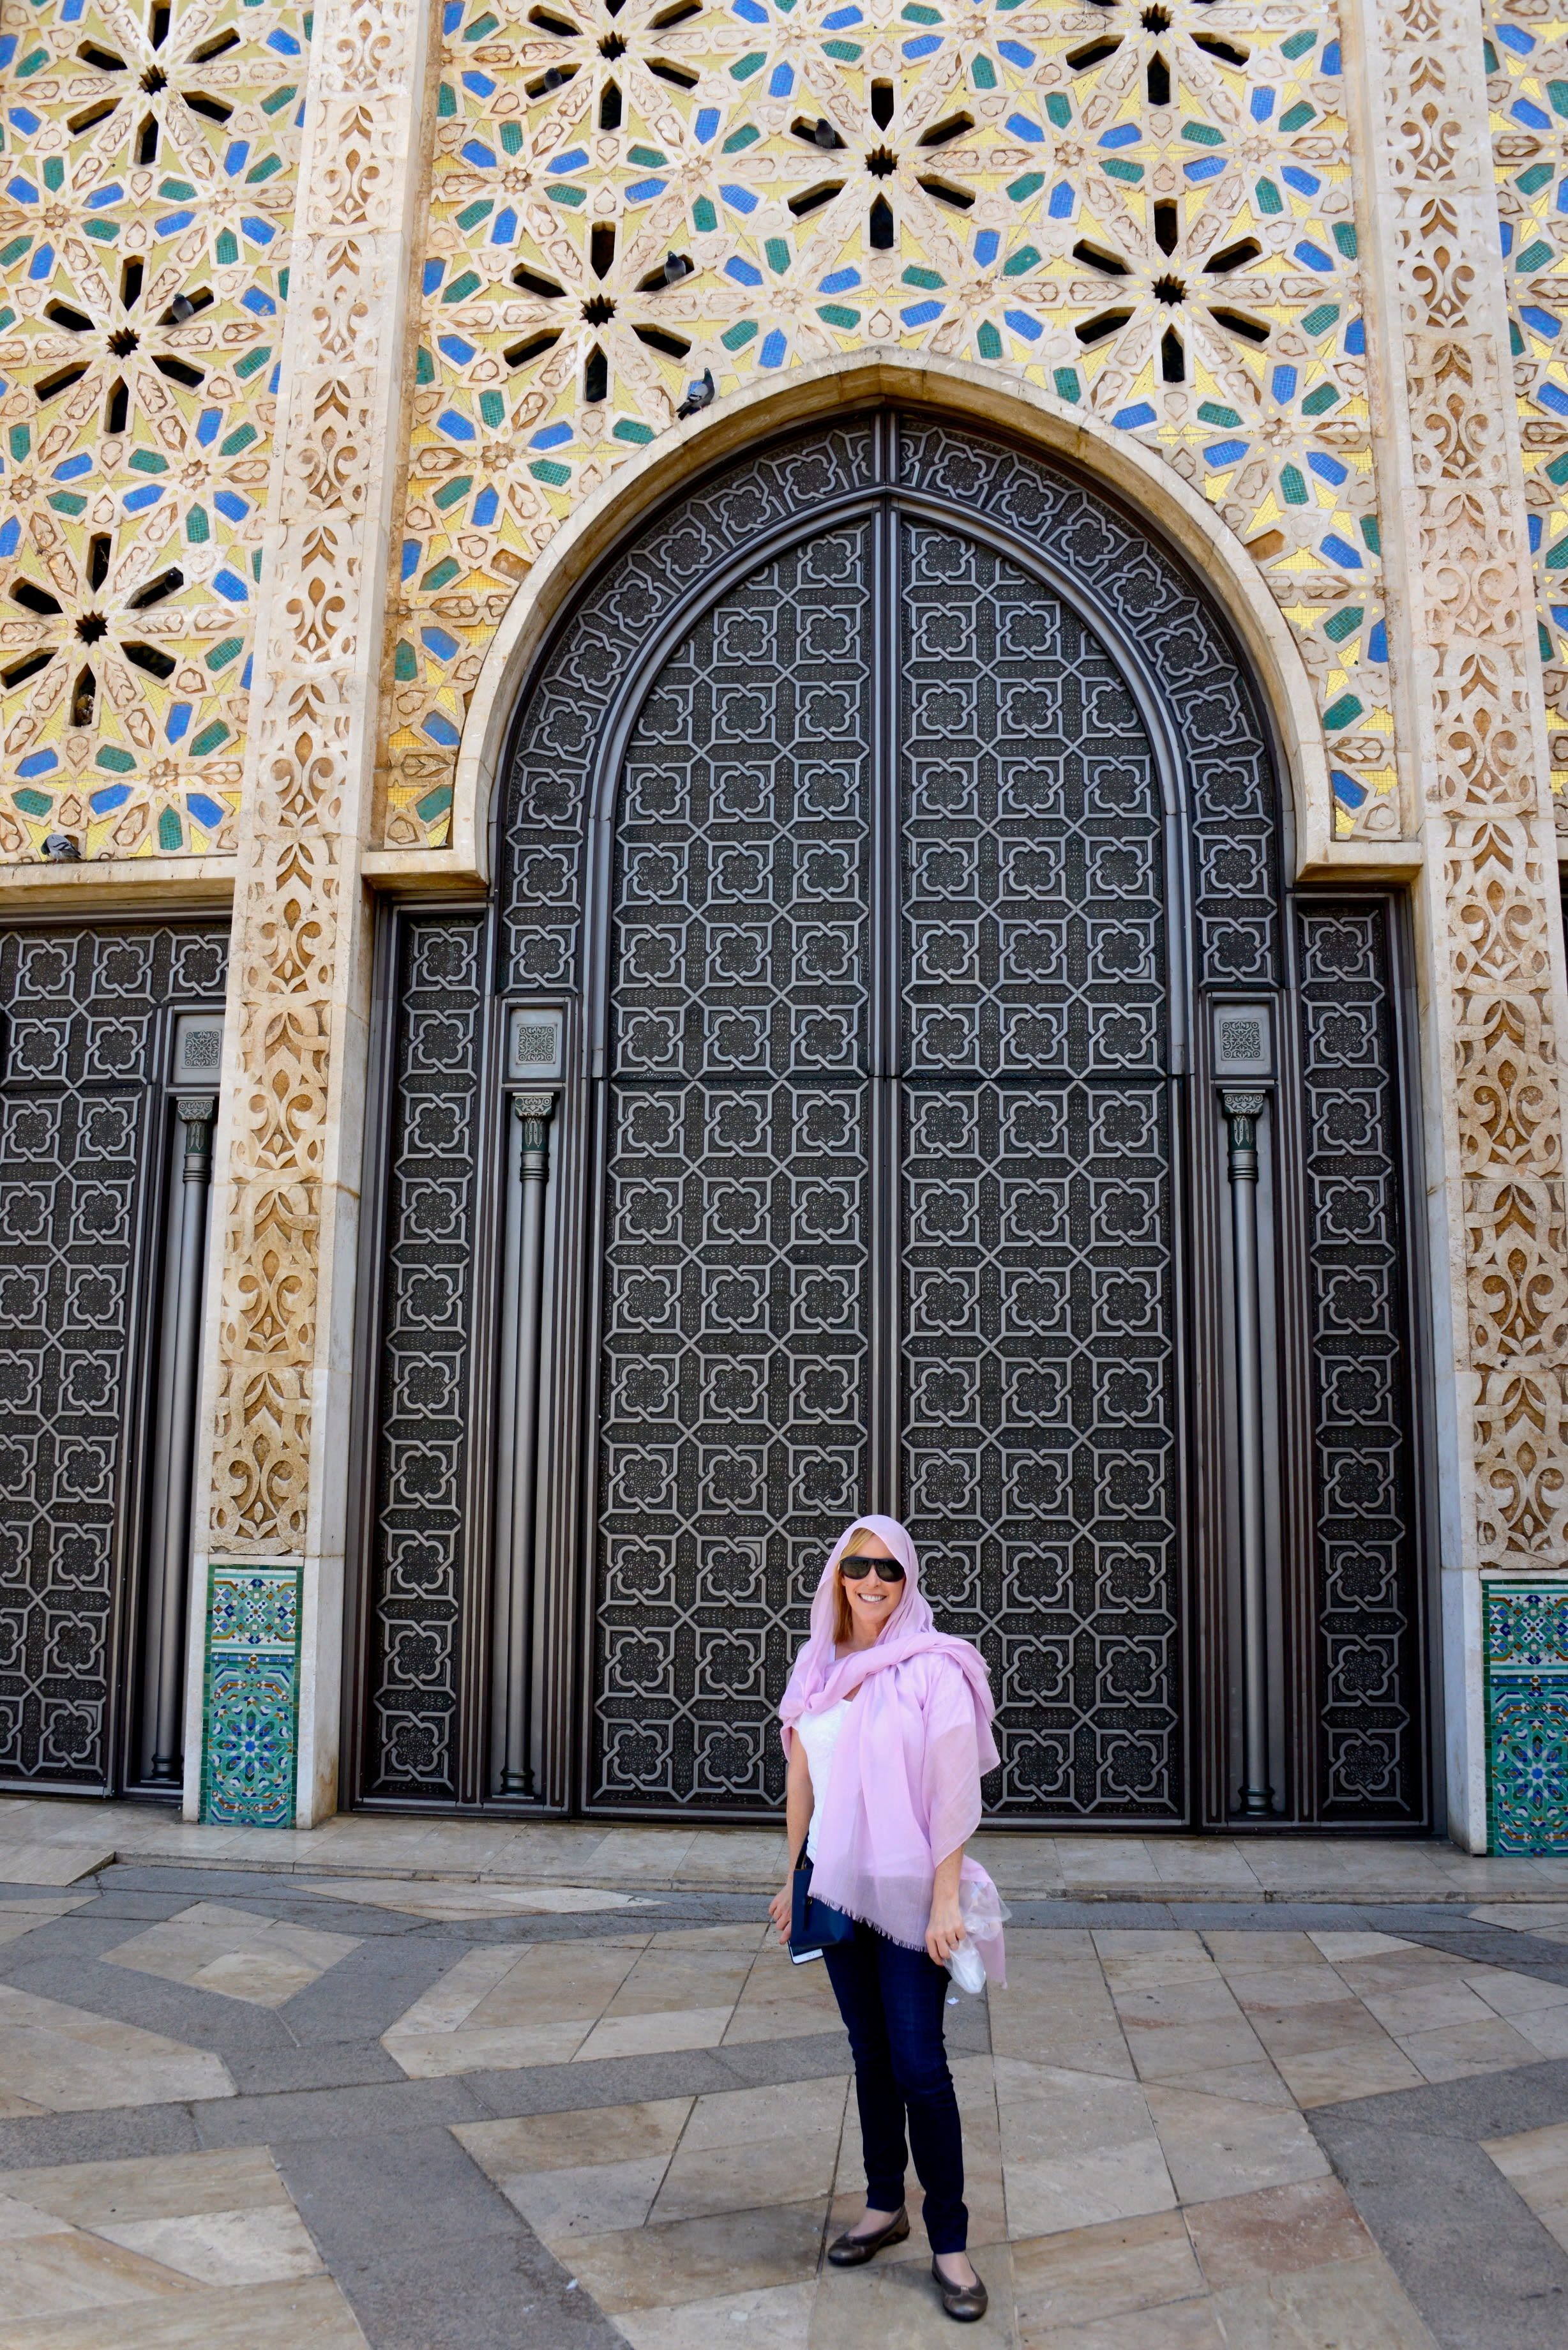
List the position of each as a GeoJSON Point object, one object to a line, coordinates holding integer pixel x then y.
{"type": "Point", "coordinates": [891, 2001]}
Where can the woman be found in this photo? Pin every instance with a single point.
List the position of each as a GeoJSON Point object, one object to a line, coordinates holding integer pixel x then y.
{"type": "Point", "coordinates": [887, 1725]}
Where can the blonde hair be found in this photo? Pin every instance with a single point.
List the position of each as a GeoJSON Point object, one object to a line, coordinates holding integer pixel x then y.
{"type": "Point", "coordinates": [859, 1542]}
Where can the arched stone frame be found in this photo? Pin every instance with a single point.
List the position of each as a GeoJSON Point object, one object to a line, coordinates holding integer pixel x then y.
{"type": "Point", "coordinates": [965, 392]}
{"type": "Point", "coordinates": [561, 774]}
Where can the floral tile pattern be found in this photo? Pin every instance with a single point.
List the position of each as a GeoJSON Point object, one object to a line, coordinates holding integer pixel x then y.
{"type": "Point", "coordinates": [1527, 82]}
{"type": "Point", "coordinates": [1525, 1636]}
{"type": "Point", "coordinates": [1145, 211]}
{"type": "Point", "coordinates": [250, 1699]}
{"type": "Point", "coordinates": [146, 202]}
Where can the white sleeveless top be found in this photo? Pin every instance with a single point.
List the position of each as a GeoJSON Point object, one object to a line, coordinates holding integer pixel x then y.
{"type": "Point", "coordinates": [818, 1733]}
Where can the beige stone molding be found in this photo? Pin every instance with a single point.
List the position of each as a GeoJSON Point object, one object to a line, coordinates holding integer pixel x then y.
{"type": "Point", "coordinates": [131, 885]}
{"type": "Point", "coordinates": [1462, 631]}
{"type": "Point", "coordinates": [290, 1130]}
{"type": "Point", "coordinates": [980, 393]}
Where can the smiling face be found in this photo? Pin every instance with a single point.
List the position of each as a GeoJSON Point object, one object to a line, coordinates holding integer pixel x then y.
{"type": "Point", "coordinates": [870, 1600]}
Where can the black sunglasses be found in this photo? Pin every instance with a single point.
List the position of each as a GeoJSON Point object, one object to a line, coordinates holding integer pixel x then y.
{"type": "Point", "coordinates": [886, 1570]}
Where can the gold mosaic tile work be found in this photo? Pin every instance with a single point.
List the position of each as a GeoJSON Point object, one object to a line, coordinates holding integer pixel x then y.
{"type": "Point", "coordinates": [1527, 82]}
{"type": "Point", "coordinates": [146, 200]}
{"type": "Point", "coordinates": [1144, 210]}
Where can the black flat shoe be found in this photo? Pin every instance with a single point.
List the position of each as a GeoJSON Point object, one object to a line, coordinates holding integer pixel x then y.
{"type": "Point", "coordinates": [854, 2252]}
{"type": "Point", "coordinates": [964, 2302]}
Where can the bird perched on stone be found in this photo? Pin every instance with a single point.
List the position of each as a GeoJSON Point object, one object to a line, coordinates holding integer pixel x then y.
{"type": "Point", "coordinates": [701, 394]}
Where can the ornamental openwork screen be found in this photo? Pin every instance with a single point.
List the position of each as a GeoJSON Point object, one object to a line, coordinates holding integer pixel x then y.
{"type": "Point", "coordinates": [895, 1074]}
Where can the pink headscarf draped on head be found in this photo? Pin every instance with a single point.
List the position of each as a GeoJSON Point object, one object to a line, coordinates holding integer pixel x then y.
{"type": "Point", "coordinates": [904, 1791]}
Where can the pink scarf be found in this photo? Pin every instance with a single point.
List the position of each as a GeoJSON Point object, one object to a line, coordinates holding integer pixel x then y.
{"type": "Point", "coordinates": [904, 1786]}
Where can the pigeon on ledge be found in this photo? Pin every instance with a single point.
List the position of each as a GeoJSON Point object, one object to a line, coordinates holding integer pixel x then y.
{"type": "Point", "coordinates": [701, 394]}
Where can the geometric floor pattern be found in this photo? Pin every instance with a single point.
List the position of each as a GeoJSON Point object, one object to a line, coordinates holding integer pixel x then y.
{"type": "Point", "coordinates": [263, 1959]}
{"type": "Point", "coordinates": [193, 2248]}
{"type": "Point", "coordinates": [242, 2108]}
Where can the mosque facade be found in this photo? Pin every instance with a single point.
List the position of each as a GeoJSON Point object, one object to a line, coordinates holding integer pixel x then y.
{"type": "Point", "coordinates": [770, 758]}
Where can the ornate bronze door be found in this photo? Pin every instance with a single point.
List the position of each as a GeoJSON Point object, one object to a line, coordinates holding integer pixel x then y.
{"type": "Point", "coordinates": [888, 1219]}
{"type": "Point", "coordinates": [843, 1112]}
{"type": "Point", "coordinates": [112, 1042]}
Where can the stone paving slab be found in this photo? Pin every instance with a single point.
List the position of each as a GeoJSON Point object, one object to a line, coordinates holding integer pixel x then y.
{"type": "Point", "coordinates": [48, 1842]}
{"type": "Point", "coordinates": [52, 1864]}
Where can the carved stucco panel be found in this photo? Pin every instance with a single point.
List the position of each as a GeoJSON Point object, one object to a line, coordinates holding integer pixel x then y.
{"type": "Point", "coordinates": [299, 933]}
{"type": "Point", "coordinates": [1475, 690]}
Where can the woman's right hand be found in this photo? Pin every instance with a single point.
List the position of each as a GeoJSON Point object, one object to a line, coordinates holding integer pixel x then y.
{"type": "Point", "coordinates": [781, 1909]}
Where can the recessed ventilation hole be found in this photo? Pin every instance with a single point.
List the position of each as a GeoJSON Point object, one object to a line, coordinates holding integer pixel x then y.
{"type": "Point", "coordinates": [167, 583]}
{"type": "Point", "coordinates": [674, 346]}
{"type": "Point", "coordinates": [1253, 329]}
{"type": "Point", "coordinates": [1234, 256]}
{"type": "Point", "coordinates": [157, 664]}
{"type": "Point", "coordinates": [1096, 257]}
{"type": "Point", "coordinates": [1094, 330]}
{"type": "Point", "coordinates": [35, 599]}
{"type": "Point", "coordinates": [815, 198]}
{"type": "Point", "coordinates": [533, 347]}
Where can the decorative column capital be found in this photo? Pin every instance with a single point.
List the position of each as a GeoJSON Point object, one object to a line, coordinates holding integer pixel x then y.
{"type": "Point", "coordinates": [196, 1113]}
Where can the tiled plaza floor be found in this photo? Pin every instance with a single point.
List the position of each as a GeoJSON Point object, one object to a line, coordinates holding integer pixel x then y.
{"type": "Point", "coordinates": [244, 2107]}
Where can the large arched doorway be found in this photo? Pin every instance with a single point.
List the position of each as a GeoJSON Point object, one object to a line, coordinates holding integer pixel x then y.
{"type": "Point", "coordinates": [891, 970]}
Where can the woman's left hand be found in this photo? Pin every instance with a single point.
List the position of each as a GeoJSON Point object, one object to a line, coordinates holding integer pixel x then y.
{"type": "Point", "coordinates": [944, 1931]}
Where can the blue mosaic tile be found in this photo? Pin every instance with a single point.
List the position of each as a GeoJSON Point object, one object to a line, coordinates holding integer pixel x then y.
{"type": "Point", "coordinates": [1525, 1635]}
{"type": "Point", "coordinates": [251, 1696]}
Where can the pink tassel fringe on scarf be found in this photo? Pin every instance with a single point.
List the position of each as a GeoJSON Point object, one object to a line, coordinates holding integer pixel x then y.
{"type": "Point", "coordinates": [904, 1786]}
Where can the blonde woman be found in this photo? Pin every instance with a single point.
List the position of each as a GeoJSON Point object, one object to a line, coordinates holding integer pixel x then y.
{"type": "Point", "coordinates": [886, 1724]}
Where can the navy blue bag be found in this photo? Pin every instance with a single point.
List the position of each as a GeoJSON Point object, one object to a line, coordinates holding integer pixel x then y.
{"type": "Point", "coordinates": [813, 1925]}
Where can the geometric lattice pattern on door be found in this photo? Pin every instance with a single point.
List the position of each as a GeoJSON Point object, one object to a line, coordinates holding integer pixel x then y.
{"type": "Point", "coordinates": [735, 1296]}
{"type": "Point", "coordinates": [79, 1143]}
{"type": "Point", "coordinates": [1368, 1614]}
{"type": "Point", "coordinates": [1185, 657]}
{"type": "Point", "coordinates": [1039, 1277]}
{"type": "Point", "coordinates": [424, 1517]}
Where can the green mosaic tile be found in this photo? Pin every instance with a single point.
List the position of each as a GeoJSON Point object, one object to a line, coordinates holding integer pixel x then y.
{"type": "Point", "coordinates": [251, 1696]}
{"type": "Point", "coordinates": [1525, 1633]}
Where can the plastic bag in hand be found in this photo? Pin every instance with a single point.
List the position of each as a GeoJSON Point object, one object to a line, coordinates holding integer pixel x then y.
{"type": "Point", "coordinates": [983, 1915]}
